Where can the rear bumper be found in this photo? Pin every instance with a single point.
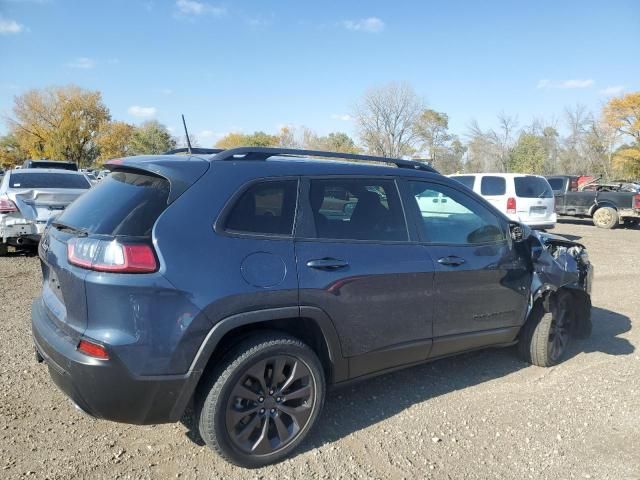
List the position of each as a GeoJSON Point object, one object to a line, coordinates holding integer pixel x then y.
{"type": "Point", "coordinates": [26, 230]}
{"type": "Point", "coordinates": [106, 388]}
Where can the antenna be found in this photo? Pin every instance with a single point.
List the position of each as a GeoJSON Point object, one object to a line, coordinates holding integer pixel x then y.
{"type": "Point", "coordinates": [186, 134]}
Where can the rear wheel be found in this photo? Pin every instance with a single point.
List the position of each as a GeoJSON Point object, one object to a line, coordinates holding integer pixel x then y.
{"type": "Point", "coordinates": [545, 336]}
{"type": "Point", "coordinates": [605, 217]}
{"type": "Point", "coordinates": [263, 400]}
{"type": "Point", "coordinates": [4, 249]}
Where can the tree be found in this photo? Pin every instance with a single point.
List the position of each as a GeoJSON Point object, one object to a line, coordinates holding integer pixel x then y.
{"type": "Point", "coordinates": [490, 150]}
{"type": "Point", "coordinates": [150, 138]}
{"type": "Point", "coordinates": [10, 152]}
{"type": "Point", "coordinates": [59, 123]}
{"type": "Point", "coordinates": [623, 115]}
{"type": "Point", "coordinates": [386, 117]}
{"type": "Point", "coordinates": [528, 155]}
{"type": "Point", "coordinates": [451, 157]}
{"type": "Point", "coordinates": [114, 141]}
{"type": "Point", "coordinates": [432, 128]}
{"type": "Point", "coordinates": [333, 142]}
{"type": "Point", "coordinates": [255, 139]}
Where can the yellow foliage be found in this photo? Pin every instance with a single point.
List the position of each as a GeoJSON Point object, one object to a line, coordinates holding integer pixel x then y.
{"type": "Point", "coordinates": [114, 140]}
{"type": "Point", "coordinates": [623, 114]}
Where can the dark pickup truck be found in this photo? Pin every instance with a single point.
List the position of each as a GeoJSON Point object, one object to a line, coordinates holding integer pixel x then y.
{"type": "Point", "coordinates": [607, 209]}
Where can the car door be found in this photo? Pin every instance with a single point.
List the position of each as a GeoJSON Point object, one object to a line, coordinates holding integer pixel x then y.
{"type": "Point", "coordinates": [481, 281]}
{"type": "Point", "coordinates": [357, 263]}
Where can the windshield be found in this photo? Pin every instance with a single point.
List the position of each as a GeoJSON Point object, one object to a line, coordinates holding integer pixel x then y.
{"type": "Point", "coordinates": [532, 187]}
{"type": "Point", "coordinates": [48, 180]}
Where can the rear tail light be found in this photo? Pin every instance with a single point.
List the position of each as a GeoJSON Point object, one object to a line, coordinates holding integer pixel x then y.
{"type": "Point", "coordinates": [636, 201]}
{"type": "Point", "coordinates": [111, 255]}
{"type": "Point", "coordinates": [6, 205]}
{"type": "Point", "coordinates": [93, 349]}
{"type": "Point", "coordinates": [511, 205]}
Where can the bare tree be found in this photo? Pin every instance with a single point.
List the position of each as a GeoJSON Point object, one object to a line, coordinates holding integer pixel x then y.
{"type": "Point", "coordinates": [491, 149]}
{"type": "Point", "coordinates": [386, 117]}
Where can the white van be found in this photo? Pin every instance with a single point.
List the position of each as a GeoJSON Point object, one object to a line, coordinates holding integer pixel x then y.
{"type": "Point", "coordinates": [524, 198]}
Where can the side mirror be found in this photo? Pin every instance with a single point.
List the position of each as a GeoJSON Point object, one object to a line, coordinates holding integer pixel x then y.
{"type": "Point", "coordinates": [519, 232]}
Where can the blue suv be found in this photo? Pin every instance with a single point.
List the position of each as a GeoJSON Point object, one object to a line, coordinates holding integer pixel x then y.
{"type": "Point", "coordinates": [244, 282]}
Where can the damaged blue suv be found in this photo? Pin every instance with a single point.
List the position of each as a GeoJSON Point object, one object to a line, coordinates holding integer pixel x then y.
{"type": "Point", "coordinates": [244, 282]}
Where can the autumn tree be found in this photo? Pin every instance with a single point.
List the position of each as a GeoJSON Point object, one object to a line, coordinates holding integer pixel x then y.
{"type": "Point", "coordinates": [150, 138]}
{"type": "Point", "coordinates": [432, 129]}
{"type": "Point", "coordinates": [59, 123]}
{"type": "Point", "coordinates": [528, 155]}
{"type": "Point", "coordinates": [255, 139]}
{"type": "Point", "coordinates": [10, 152]}
{"type": "Point", "coordinates": [386, 117]}
{"type": "Point", "coordinates": [114, 141]}
{"type": "Point", "coordinates": [623, 115]}
{"type": "Point", "coordinates": [333, 142]}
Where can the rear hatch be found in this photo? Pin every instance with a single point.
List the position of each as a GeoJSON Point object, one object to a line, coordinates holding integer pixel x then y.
{"type": "Point", "coordinates": [534, 199]}
{"type": "Point", "coordinates": [122, 208]}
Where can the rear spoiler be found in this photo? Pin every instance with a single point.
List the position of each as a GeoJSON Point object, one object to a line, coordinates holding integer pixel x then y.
{"type": "Point", "coordinates": [180, 174]}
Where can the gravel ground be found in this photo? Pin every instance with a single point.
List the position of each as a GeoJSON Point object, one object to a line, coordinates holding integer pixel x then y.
{"type": "Point", "coordinates": [479, 415]}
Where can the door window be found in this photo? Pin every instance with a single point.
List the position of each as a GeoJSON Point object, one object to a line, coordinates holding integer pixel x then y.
{"type": "Point", "coordinates": [492, 185]}
{"type": "Point", "coordinates": [450, 217]}
{"type": "Point", "coordinates": [265, 208]}
{"type": "Point", "coordinates": [357, 209]}
{"type": "Point", "coordinates": [466, 180]}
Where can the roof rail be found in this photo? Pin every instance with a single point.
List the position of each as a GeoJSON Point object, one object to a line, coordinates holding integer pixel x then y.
{"type": "Point", "coordinates": [195, 150]}
{"type": "Point", "coordinates": [263, 153]}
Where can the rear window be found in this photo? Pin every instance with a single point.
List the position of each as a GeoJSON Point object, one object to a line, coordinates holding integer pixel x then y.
{"type": "Point", "coordinates": [124, 203]}
{"type": "Point", "coordinates": [47, 180]}
{"type": "Point", "coordinates": [493, 186]}
{"type": "Point", "coordinates": [532, 187]}
{"type": "Point", "coordinates": [60, 165]}
{"type": "Point", "coordinates": [466, 180]}
{"type": "Point", "coordinates": [556, 183]}
{"type": "Point", "coordinates": [265, 208]}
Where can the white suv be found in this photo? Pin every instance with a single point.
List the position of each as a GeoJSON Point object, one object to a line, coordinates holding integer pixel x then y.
{"type": "Point", "coordinates": [524, 198]}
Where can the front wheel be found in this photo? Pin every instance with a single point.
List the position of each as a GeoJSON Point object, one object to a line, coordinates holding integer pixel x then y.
{"type": "Point", "coordinates": [545, 335]}
{"type": "Point", "coordinates": [605, 217]}
{"type": "Point", "coordinates": [263, 401]}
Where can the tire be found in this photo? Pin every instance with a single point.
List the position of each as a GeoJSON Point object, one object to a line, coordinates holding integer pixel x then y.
{"type": "Point", "coordinates": [545, 335]}
{"type": "Point", "coordinates": [605, 217]}
{"type": "Point", "coordinates": [631, 222]}
{"type": "Point", "coordinates": [245, 420]}
{"type": "Point", "coordinates": [4, 249]}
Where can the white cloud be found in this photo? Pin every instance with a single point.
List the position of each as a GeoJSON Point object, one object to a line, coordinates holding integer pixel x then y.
{"type": "Point", "coordinates": [83, 63]}
{"type": "Point", "coordinates": [142, 112]}
{"type": "Point", "coordinates": [345, 117]}
{"type": "Point", "coordinates": [612, 90]}
{"type": "Point", "coordinates": [193, 7]}
{"type": "Point", "coordinates": [574, 83]}
{"type": "Point", "coordinates": [10, 27]}
{"type": "Point", "coordinates": [370, 25]}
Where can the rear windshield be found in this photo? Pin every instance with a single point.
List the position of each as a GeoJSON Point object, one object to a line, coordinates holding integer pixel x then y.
{"type": "Point", "coordinates": [60, 165]}
{"type": "Point", "coordinates": [532, 187]}
{"type": "Point", "coordinates": [466, 180]}
{"type": "Point", "coordinates": [124, 203]}
{"type": "Point", "coordinates": [47, 180]}
{"type": "Point", "coordinates": [556, 183]}
{"type": "Point", "coordinates": [493, 185]}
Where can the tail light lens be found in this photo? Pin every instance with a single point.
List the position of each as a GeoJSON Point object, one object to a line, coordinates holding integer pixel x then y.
{"type": "Point", "coordinates": [511, 205]}
{"type": "Point", "coordinates": [6, 205]}
{"type": "Point", "coordinates": [111, 255]}
{"type": "Point", "coordinates": [93, 349]}
{"type": "Point", "coordinates": [636, 201]}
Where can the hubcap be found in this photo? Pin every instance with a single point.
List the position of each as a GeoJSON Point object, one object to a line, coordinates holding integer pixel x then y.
{"type": "Point", "coordinates": [603, 216]}
{"type": "Point", "coordinates": [559, 332]}
{"type": "Point", "coordinates": [270, 405]}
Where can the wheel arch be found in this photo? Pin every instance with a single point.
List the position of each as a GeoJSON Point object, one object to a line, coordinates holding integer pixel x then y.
{"type": "Point", "coordinates": [604, 203]}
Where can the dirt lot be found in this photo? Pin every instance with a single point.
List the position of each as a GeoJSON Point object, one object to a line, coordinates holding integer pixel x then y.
{"type": "Point", "coordinates": [481, 415]}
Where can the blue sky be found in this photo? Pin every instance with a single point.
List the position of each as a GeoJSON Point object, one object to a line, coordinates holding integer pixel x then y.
{"type": "Point", "coordinates": [251, 65]}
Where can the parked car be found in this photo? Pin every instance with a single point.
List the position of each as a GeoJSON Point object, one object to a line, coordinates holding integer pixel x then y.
{"type": "Point", "coordinates": [606, 206]}
{"type": "Point", "coordinates": [50, 164]}
{"type": "Point", "coordinates": [28, 197]}
{"type": "Point", "coordinates": [522, 198]}
{"type": "Point", "coordinates": [245, 282]}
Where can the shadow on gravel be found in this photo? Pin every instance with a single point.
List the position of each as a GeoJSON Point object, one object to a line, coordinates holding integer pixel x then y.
{"type": "Point", "coordinates": [589, 222]}
{"type": "Point", "coordinates": [357, 406]}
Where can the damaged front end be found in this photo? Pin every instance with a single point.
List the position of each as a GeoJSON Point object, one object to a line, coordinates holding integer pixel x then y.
{"type": "Point", "coordinates": [559, 264]}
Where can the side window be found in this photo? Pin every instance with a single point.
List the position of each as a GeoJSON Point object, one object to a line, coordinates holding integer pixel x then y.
{"type": "Point", "coordinates": [466, 180]}
{"type": "Point", "coordinates": [556, 183]}
{"type": "Point", "coordinates": [450, 217]}
{"type": "Point", "coordinates": [265, 208]}
{"type": "Point", "coordinates": [493, 185]}
{"type": "Point", "coordinates": [357, 209]}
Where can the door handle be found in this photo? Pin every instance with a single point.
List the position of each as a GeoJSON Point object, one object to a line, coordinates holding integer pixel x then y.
{"type": "Point", "coordinates": [327, 264]}
{"type": "Point", "coordinates": [451, 260]}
